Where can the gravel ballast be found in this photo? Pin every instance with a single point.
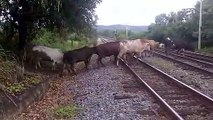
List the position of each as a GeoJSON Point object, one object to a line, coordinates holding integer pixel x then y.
{"type": "Point", "coordinates": [112, 93]}
{"type": "Point", "coordinates": [192, 78]}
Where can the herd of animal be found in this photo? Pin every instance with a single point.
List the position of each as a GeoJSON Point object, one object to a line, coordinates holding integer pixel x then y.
{"type": "Point", "coordinates": [118, 49]}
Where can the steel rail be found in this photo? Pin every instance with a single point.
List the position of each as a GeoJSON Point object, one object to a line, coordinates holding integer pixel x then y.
{"type": "Point", "coordinates": [181, 62]}
{"type": "Point", "coordinates": [192, 59]}
{"type": "Point", "coordinates": [174, 114]}
{"type": "Point", "coordinates": [204, 97]}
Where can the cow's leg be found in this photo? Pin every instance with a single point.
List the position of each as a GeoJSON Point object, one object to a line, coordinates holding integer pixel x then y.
{"type": "Point", "coordinates": [120, 56]}
{"type": "Point", "coordinates": [151, 53]}
{"type": "Point", "coordinates": [140, 54]}
{"type": "Point", "coordinates": [86, 62]}
{"type": "Point", "coordinates": [53, 66]}
{"type": "Point", "coordinates": [117, 62]}
{"type": "Point", "coordinates": [39, 64]}
{"type": "Point", "coordinates": [98, 61]}
{"type": "Point", "coordinates": [62, 70]}
{"type": "Point", "coordinates": [123, 57]}
{"type": "Point", "coordinates": [115, 58]}
{"type": "Point", "coordinates": [36, 66]}
{"type": "Point", "coordinates": [178, 51]}
{"type": "Point", "coordinates": [145, 53]}
{"type": "Point", "coordinates": [66, 66]}
{"type": "Point", "coordinates": [101, 62]}
{"type": "Point", "coordinates": [181, 51]}
{"type": "Point", "coordinates": [72, 68]}
{"type": "Point", "coordinates": [166, 50]}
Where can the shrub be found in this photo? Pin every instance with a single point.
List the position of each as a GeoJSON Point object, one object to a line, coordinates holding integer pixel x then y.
{"type": "Point", "coordinates": [65, 111]}
{"type": "Point", "coordinates": [52, 39]}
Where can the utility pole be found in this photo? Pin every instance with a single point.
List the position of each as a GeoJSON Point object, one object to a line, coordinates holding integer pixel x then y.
{"type": "Point", "coordinates": [200, 26]}
{"type": "Point", "coordinates": [126, 33]}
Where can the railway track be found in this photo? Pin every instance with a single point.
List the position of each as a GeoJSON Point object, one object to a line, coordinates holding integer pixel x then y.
{"type": "Point", "coordinates": [134, 92]}
{"type": "Point", "coordinates": [191, 59]}
{"type": "Point", "coordinates": [180, 100]}
{"type": "Point", "coordinates": [193, 56]}
{"type": "Point", "coordinates": [199, 56]}
{"type": "Point", "coordinates": [194, 65]}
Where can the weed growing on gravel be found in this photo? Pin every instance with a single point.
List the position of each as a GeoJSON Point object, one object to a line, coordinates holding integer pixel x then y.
{"type": "Point", "coordinates": [65, 111]}
{"type": "Point", "coordinates": [16, 87]}
{"type": "Point", "coordinates": [162, 63]}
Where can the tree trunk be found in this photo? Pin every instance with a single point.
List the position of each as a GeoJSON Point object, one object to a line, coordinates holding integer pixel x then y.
{"type": "Point", "coordinates": [22, 34]}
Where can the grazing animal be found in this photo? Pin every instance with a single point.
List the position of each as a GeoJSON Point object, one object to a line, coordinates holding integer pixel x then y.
{"type": "Point", "coordinates": [153, 45]}
{"type": "Point", "coordinates": [78, 55]}
{"type": "Point", "coordinates": [161, 45]}
{"type": "Point", "coordinates": [179, 45]}
{"type": "Point", "coordinates": [133, 47]}
{"type": "Point", "coordinates": [46, 53]}
{"type": "Point", "coordinates": [106, 50]}
{"type": "Point", "coordinates": [169, 44]}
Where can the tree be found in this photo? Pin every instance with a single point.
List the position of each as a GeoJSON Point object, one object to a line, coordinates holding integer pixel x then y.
{"type": "Point", "coordinates": [26, 16]}
{"type": "Point", "coordinates": [162, 19]}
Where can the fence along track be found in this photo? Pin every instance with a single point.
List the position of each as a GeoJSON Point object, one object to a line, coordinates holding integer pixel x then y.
{"type": "Point", "coordinates": [181, 99]}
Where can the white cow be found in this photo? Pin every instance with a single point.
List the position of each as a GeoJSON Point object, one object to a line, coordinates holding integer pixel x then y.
{"type": "Point", "coordinates": [40, 52]}
{"type": "Point", "coordinates": [132, 46]}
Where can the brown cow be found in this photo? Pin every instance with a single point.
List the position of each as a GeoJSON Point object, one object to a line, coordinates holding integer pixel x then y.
{"type": "Point", "coordinates": [106, 50]}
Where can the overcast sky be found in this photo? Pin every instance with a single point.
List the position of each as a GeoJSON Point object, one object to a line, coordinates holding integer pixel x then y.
{"type": "Point", "coordinates": [137, 12]}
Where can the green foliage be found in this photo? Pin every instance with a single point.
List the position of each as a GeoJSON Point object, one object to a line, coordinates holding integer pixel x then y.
{"type": "Point", "coordinates": [65, 111]}
{"type": "Point", "coordinates": [206, 50]}
{"type": "Point", "coordinates": [20, 19]}
{"type": "Point", "coordinates": [107, 33]}
{"type": "Point", "coordinates": [44, 37]}
{"type": "Point", "coordinates": [12, 77]}
{"type": "Point", "coordinates": [183, 25]}
{"type": "Point", "coordinates": [32, 80]}
{"type": "Point", "coordinates": [52, 39]}
{"type": "Point", "coordinates": [16, 87]}
{"type": "Point", "coordinates": [121, 34]}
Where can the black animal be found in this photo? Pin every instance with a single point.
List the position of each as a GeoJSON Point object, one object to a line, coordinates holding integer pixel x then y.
{"type": "Point", "coordinates": [169, 44]}
{"type": "Point", "coordinates": [179, 45]}
{"type": "Point", "coordinates": [78, 55]}
{"type": "Point", "coordinates": [108, 49]}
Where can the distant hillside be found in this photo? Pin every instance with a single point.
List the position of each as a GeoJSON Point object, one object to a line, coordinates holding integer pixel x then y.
{"type": "Point", "coordinates": [119, 27]}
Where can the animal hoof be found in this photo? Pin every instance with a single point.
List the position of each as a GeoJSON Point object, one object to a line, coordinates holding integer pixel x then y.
{"type": "Point", "coordinates": [60, 75]}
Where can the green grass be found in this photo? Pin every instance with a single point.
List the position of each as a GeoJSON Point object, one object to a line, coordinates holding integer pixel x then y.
{"type": "Point", "coordinates": [10, 75]}
{"type": "Point", "coordinates": [16, 87]}
{"type": "Point", "coordinates": [51, 39]}
{"type": "Point", "coordinates": [206, 50]}
{"type": "Point", "coordinates": [63, 112]}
